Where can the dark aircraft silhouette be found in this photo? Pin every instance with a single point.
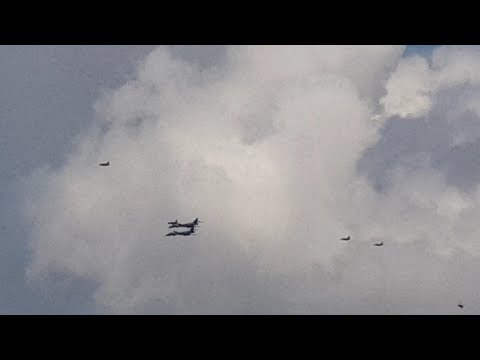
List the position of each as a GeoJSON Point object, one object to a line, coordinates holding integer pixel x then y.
{"type": "Point", "coordinates": [104, 164]}
{"type": "Point", "coordinates": [460, 306]}
{"type": "Point", "coordinates": [190, 224]}
{"type": "Point", "coordinates": [184, 233]}
{"type": "Point", "coordinates": [378, 244]}
{"type": "Point", "coordinates": [346, 238]}
{"type": "Point", "coordinates": [173, 222]}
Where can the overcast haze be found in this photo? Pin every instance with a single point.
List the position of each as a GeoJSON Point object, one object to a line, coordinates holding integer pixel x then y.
{"type": "Point", "coordinates": [280, 150]}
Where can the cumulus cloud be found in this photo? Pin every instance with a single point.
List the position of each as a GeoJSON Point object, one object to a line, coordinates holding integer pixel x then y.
{"type": "Point", "coordinates": [264, 147]}
{"type": "Point", "coordinates": [408, 89]}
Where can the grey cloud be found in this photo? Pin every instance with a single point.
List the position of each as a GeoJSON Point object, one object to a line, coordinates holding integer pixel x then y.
{"type": "Point", "coordinates": [46, 101]}
{"type": "Point", "coordinates": [205, 56]}
{"type": "Point", "coordinates": [195, 152]}
{"type": "Point", "coordinates": [276, 149]}
{"type": "Point", "coordinates": [446, 138]}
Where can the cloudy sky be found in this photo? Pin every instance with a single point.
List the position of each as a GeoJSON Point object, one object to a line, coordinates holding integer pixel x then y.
{"type": "Point", "coordinates": [280, 150]}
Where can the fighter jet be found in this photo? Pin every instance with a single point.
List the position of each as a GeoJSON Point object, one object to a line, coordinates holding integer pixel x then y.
{"type": "Point", "coordinates": [184, 233]}
{"type": "Point", "coordinates": [346, 238]}
{"type": "Point", "coordinates": [378, 244]}
{"type": "Point", "coordinates": [190, 224]}
{"type": "Point", "coordinates": [104, 164]}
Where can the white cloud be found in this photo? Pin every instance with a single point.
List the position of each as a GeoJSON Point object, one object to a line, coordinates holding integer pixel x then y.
{"type": "Point", "coordinates": [264, 149]}
{"type": "Point", "coordinates": [408, 89]}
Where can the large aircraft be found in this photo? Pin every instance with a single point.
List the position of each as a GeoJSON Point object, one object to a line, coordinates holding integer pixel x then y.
{"type": "Point", "coordinates": [184, 233]}
{"type": "Point", "coordinates": [175, 224]}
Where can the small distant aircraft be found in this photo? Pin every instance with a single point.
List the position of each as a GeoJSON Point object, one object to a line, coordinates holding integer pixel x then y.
{"type": "Point", "coordinates": [173, 222]}
{"type": "Point", "coordinates": [460, 306]}
{"type": "Point", "coordinates": [378, 244]}
{"type": "Point", "coordinates": [346, 238]}
{"type": "Point", "coordinates": [176, 224]}
{"type": "Point", "coordinates": [184, 233]}
{"type": "Point", "coordinates": [104, 164]}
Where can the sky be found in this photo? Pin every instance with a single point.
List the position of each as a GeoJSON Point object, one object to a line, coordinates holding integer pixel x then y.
{"type": "Point", "coordinates": [279, 150]}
